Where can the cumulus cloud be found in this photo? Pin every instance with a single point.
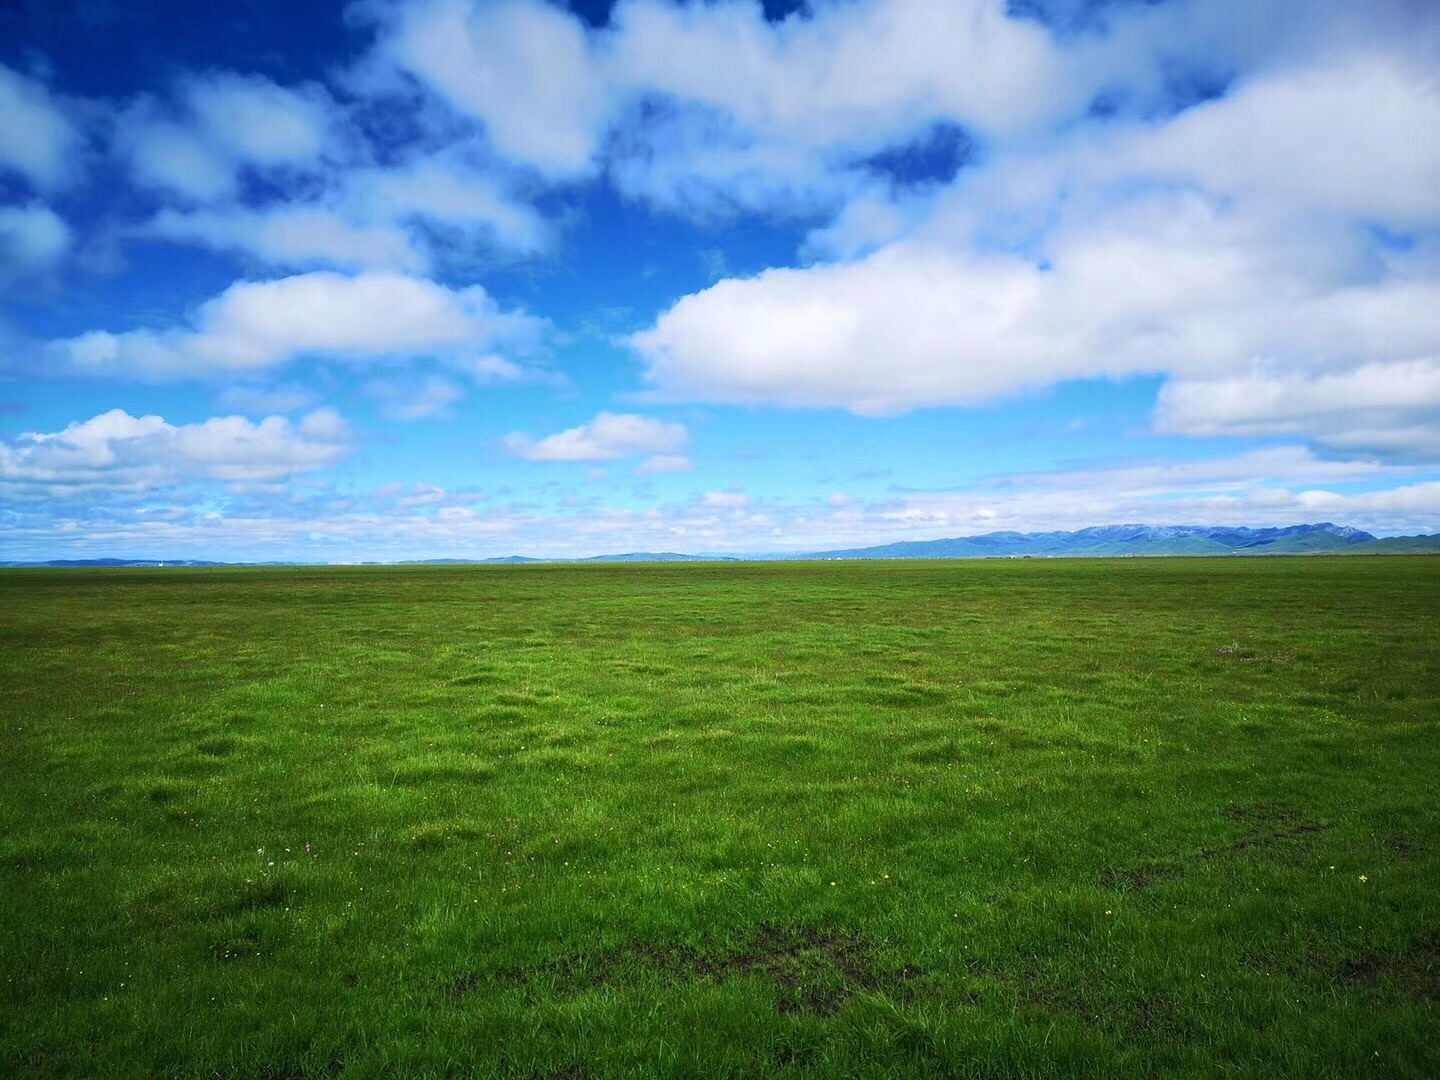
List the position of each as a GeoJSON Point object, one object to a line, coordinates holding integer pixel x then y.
{"type": "Point", "coordinates": [664, 463]}
{"type": "Point", "coordinates": [447, 190]}
{"type": "Point", "coordinates": [607, 437]}
{"type": "Point", "coordinates": [253, 326]}
{"type": "Point", "coordinates": [725, 500]}
{"type": "Point", "coordinates": [292, 236]}
{"type": "Point", "coordinates": [32, 238]}
{"type": "Point", "coordinates": [368, 217]}
{"type": "Point", "coordinates": [1233, 236]}
{"type": "Point", "coordinates": [117, 451]}
{"type": "Point", "coordinates": [165, 154]}
{"type": "Point", "coordinates": [845, 76]}
{"type": "Point", "coordinates": [492, 370]}
{"type": "Point", "coordinates": [848, 74]}
{"type": "Point", "coordinates": [420, 399]}
{"type": "Point", "coordinates": [697, 107]}
{"type": "Point", "coordinates": [524, 68]}
{"type": "Point", "coordinates": [1358, 137]}
{"type": "Point", "coordinates": [261, 400]}
{"type": "Point", "coordinates": [1175, 284]}
{"type": "Point", "coordinates": [711, 108]}
{"type": "Point", "coordinates": [1385, 409]}
{"type": "Point", "coordinates": [219, 124]}
{"type": "Point", "coordinates": [37, 138]}
{"type": "Point", "coordinates": [256, 120]}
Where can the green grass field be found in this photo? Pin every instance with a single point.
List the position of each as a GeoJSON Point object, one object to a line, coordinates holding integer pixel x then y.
{"type": "Point", "coordinates": [1131, 817]}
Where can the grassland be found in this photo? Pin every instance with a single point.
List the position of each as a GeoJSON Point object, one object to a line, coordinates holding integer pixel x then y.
{"type": "Point", "coordinates": [1142, 817]}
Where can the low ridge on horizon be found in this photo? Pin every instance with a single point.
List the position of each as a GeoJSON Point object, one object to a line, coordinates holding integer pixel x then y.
{"type": "Point", "coordinates": [1095, 541]}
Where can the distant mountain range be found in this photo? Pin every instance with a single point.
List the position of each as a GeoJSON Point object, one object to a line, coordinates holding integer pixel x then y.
{"type": "Point", "coordinates": [1102, 541]}
{"type": "Point", "coordinates": [1113, 540]}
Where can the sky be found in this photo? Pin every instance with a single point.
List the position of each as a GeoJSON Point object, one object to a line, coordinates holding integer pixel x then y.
{"type": "Point", "coordinates": [468, 278]}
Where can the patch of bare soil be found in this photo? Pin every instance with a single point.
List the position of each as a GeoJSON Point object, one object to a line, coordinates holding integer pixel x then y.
{"type": "Point", "coordinates": [814, 971]}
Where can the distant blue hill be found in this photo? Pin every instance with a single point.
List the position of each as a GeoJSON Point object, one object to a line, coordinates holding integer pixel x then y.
{"type": "Point", "coordinates": [1112, 540]}
{"type": "Point", "coordinates": [659, 556]}
{"type": "Point", "coordinates": [1100, 541]}
{"type": "Point", "coordinates": [120, 562]}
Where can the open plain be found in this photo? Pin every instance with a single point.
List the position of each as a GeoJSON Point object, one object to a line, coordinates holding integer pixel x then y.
{"type": "Point", "coordinates": [986, 818]}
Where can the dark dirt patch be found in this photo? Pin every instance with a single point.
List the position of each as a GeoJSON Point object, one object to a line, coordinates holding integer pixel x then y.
{"type": "Point", "coordinates": [1261, 811]}
{"type": "Point", "coordinates": [1399, 847]}
{"type": "Point", "coordinates": [641, 667]}
{"type": "Point", "coordinates": [1413, 970]}
{"type": "Point", "coordinates": [1133, 1020]}
{"type": "Point", "coordinates": [813, 971]}
{"type": "Point", "coordinates": [1235, 652]}
{"type": "Point", "coordinates": [801, 1057]}
{"type": "Point", "coordinates": [1137, 877]}
{"type": "Point", "coordinates": [286, 1072]}
{"type": "Point", "coordinates": [1271, 825]}
{"type": "Point", "coordinates": [246, 944]}
{"type": "Point", "coordinates": [163, 792]}
{"type": "Point", "coordinates": [1250, 656]}
{"type": "Point", "coordinates": [252, 896]}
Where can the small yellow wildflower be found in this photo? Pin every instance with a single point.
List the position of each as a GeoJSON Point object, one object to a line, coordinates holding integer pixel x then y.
{"type": "Point", "coordinates": [1364, 878]}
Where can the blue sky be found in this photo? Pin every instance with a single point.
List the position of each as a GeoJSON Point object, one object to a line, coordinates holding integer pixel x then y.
{"type": "Point", "coordinates": [451, 278]}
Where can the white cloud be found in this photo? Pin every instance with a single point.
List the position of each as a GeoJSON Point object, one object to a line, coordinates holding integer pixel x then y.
{"type": "Point", "coordinates": [1277, 486]}
{"type": "Point", "coordinates": [118, 451]}
{"type": "Point", "coordinates": [37, 138]}
{"type": "Point", "coordinates": [492, 370]}
{"type": "Point", "coordinates": [1358, 137]}
{"type": "Point", "coordinates": [259, 399]}
{"type": "Point", "coordinates": [605, 438]}
{"type": "Point", "coordinates": [220, 124]}
{"type": "Point", "coordinates": [253, 326]}
{"type": "Point", "coordinates": [1388, 409]}
{"type": "Point", "coordinates": [1251, 471]}
{"type": "Point", "coordinates": [292, 236]}
{"type": "Point", "coordinates": [32, 238]}
{"type": "Point", "coordinates": [745, 105]}
{"type": "Point", "coordinates": [419, 399]}
{"type": "Point", "coordinates": [165, 154]}
{"type": "Point", "coordinates": [524, 68]}
{"type": "Point", "coordinates": [1236, 232]}
{"type": "Point", "coordinates": [1175, 286]}
{"type": "Point", "coordinates": [698, 107]}
{"type": "Point", "coordinates": [380, 218]}
{"type": "Point", "coordinates": [847, 75]}
{"type": "Point", "coordinates": [725, 500]}
{"type": "Point", "coordinates": [664, 463]}
{"type": "Point", "coordinates": [447, 190]}
{"type": "Point", "coordinates": [257, 121]}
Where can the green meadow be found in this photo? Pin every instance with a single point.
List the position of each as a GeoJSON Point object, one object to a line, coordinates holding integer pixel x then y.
{"type": "Point", "coordinates": [1169, 817]}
